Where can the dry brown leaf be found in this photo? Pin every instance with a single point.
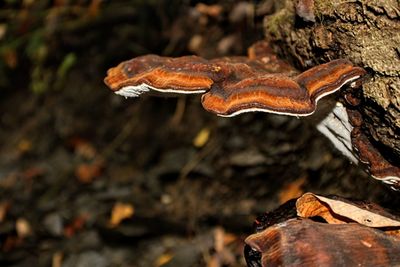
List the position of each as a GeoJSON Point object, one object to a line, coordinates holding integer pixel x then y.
{"type": "Point", "coordinates": [163, 259]}
{"type": "Point", "coordinates": [24, 146]}
{"type": "Point", "coordinates": [77, 224]}
{"type": "Point", "coordinates": [32, 172]}
{"type": "Point", "coordinates": [10, 243]}
{"type": "Point", "coordinates": [292, 190]}
{"type": "Point", "coordinates": [94, 8]}
{"type": "Point", "coordinates": [119, 212]}
{"type": "Point", "coordinates": [337, 210]}
{"type": "Point", "coordinates": [209, 10]}
{"type": "Point", "coordinates": [3, 30]}
{"type": "Point", "coordinates": [23, 227]}
{"type": "Point", "coordinates": [222, 255]}
{"type": "Point", "coordinates": [201, 138]}
{"type": "Point", "coordinates": [229, 238]}
{"type": "Point", "coordinates": [83, 147]}
{"type": "Point", "coordinates": [4, 206]}
{"type": "Point", "coordinates": [86, 172]}
{"type": "Point", "coordinates": [10, 57]}
{"type": "Point", "coordinates": [57, 258]}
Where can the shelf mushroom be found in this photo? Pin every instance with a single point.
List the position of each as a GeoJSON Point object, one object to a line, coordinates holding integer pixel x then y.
{"type": "Point", "coordinates": [233, 85]}
{"type": "Point", "coordinates": [279, 93]}
{"type": "Point", "coordinates": [260, 82]}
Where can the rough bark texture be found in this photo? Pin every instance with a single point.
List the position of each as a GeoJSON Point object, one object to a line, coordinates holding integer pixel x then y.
{"type": "Point", "coordinates": [365, 31]}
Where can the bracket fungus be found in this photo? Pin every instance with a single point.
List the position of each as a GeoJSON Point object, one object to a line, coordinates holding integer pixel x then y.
{"type": "Point", "coordinates": [259, 82]}
{"type": "Point", "coordinates": [324, 231]}
{"type": "Point", "coordinates": [235, 85]}
{"type": "Point", "coordinates": [379, 168]}
{"type": "Point", "coordinates": [303, 242]}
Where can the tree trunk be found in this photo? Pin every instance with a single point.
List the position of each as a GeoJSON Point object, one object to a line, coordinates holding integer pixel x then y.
{"type": "Point", "coordinates": [309, 32]}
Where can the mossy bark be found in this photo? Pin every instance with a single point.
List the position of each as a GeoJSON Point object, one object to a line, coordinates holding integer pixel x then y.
{"type": "Point", "coordinates": [365, 31]}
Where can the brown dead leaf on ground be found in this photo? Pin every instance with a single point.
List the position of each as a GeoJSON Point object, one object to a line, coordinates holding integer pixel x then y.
{"type": "Point", "coordinates": [76, 225]}
{"type": "Point", "coordinates": [87, 172]}
{"type": "Point", "coordinates": [94, 8]}
{"type": "Point", "coordinates": [83, 147]}
{"type": "Point", "coordinates": [292, 190]}
{"type": "Point", "coordinates": [32, 172]}
{"type": "Point", "coordinates": [4, 207]}
{"type": "Point", "coordinates": [337, 210]}
{"type": "Point", "coordinates": [10, 57]}
{"type": "Point", "coordinates": [57, 258]}
{"type": "Point", "coordinates": [201, 138]}
{"type": "Point", "coordinates": [163, 259]}
{"type": "Point", "coordinates": [24, 146]}
{"type": "Point", "coordinates": [209, 10]}
{"type": "Point", "coordinates": [10, 243]}
{"type": "Point", "coordinates": [222, 256]}
{"type": "Point", "coordinates": [23, 227]}
{"type": "Point", "coordinates": [119, 212]}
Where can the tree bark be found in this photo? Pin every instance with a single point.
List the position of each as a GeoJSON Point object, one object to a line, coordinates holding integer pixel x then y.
{"type": "Point", "coordinates": [367, 32]}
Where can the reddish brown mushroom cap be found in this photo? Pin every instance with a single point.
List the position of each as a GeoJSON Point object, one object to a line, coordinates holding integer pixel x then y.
{"type": "Point", "coordinates": [281, 94]}
{"type": "Point", "coordinates": [184, 75]}
{"type": "Point", "coordinates": [379, 168]}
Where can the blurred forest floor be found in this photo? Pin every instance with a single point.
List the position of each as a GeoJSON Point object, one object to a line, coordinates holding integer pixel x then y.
{"type": "Point", "coordinates": [88, 178]}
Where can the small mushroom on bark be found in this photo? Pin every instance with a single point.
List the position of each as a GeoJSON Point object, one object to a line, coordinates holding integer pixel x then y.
{"type": "Point", "coordinates": [379, 167]}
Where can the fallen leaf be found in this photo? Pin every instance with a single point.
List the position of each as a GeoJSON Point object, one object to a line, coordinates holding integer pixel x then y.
{"type": "Point", "coordinates": [10, 57]}
{"type": "Point", "coordinates": [94, 8]}
{"type": "Point", "coordinates": [23, 228]}
{"type": "Point", "coordinates": [24, 146]}
{"type": "Point", "coordinates": [57, 258]}
{"type": "Point", "coordinates": [4, 206]}
{"type": "Point", "coordinates": [83, 147]}
{"type": "Point", "coordinates": [201, 138]}
{"type": "Point", "coordinates": [32, 172]}
{"type": "Point", "coordinates": [86, 172]}
{"type": "Point", "coordinates": [222, 255]}
{"type": "Point", "coordinates": [10, 243]}
{"type": "Point", "coordinates": [209, 10]}
{"type": "Point", "coordinates": [77, 224]}
{"type": "Point", "coordinates": [163, 259]}
{"type": "Point", "coordinates": [338, 210]}
{"type": "Point", "coordinates": [119, 212]}
{"type": "Point", "coordinates": [292, 190]}
{"type": "Point", "coordinates": [3, 30]}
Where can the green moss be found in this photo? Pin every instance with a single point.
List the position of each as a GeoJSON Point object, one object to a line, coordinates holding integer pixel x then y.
{"type": "Point", "coordinates": [280, 20]}
{"type": "Point", "coordinates": [324, 8]}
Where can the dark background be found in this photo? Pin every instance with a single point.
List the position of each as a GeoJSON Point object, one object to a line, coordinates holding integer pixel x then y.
{"type": "Point", "coordinates": [71, 150]}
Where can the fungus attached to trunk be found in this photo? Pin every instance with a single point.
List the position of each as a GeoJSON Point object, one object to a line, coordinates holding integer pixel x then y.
{"type": "Point", "coordinates": [234, 85]}
{"type": "Point", "coordinates": [378, 166]}
{"type": "Point", "coordinates": [183, 75]}
{"type": "Point", "coordinates": [279, 93]}
{"type": "Point", "coordinates": [259, 82]}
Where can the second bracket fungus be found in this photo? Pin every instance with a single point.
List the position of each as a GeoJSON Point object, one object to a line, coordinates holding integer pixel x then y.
{"type": "Point", "coordinates": [278, 93]}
